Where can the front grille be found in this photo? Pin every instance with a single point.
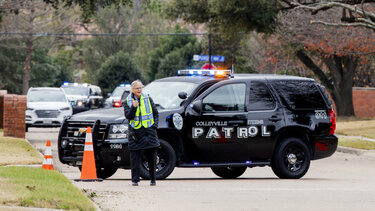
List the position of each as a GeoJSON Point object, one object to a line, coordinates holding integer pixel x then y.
{"type": "Point", "coordinates": [47, 113]}
{"type": "Point", "coordinates": [74, 133]}
{"type": "Point", "coordinates": [73, 130]}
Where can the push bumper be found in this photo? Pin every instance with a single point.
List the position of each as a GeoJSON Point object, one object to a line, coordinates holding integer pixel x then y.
{"type": "Point", "coordinates": [325, 146]}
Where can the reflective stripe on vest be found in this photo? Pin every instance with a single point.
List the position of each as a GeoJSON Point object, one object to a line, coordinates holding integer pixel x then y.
{"type": "Point", "coordinates": [146, 112]}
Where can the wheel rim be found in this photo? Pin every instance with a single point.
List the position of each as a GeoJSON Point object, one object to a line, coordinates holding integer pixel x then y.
{"type": "Point", "coordinates": [161, 160]}
{"type": "Point", "coordinates": [294, 158]}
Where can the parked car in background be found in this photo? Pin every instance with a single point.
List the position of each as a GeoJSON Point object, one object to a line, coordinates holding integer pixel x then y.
{"type": "Point", "coordinates": [46, 107]}
{"type": "Point", "coordinates": [115, 98]}
{"type": "Point", "coordinates": [84, 96]}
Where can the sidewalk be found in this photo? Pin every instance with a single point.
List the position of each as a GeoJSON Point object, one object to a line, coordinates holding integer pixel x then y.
{"type": "Point", "coordinates": [359, 152]}
{"type": "Point", "coordinates": [356, 137]}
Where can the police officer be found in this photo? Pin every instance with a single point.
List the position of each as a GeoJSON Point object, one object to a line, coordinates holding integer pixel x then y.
{"type": "Point", "coordinates": [142, 114]}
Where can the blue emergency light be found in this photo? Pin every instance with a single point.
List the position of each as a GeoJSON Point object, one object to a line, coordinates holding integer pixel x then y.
{"type": "Point", "coordinates": [203, 72]}
{"type": "Point", "coordinates": [125, 85]}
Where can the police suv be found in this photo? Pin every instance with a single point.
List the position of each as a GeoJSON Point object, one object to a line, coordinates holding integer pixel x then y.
{"type": "Point", "coordinates": [216, 119]}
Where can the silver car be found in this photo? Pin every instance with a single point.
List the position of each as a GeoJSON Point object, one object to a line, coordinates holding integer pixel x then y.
{"type": "Point", "coordinates": [46, 107]}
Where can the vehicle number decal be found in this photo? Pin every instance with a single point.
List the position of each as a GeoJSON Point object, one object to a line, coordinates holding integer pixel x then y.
{"type": "Point", "coordinates": [320, 114]}
{"type": "Point", "coordinates": [115, 146]}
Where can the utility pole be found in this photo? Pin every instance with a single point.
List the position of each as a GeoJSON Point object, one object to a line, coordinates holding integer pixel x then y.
{"type": "Point", "coordinates": [209, 51]}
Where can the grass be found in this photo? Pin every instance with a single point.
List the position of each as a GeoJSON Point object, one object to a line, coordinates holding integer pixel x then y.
{"type": "Point", "coordinates": [365, 128]}
{"type": "Point", "coordinates": [15, 151]}
{"type": "Point", "coordinates": [356, 143]}
{"type": "Point", "coordinates": [36, 187]}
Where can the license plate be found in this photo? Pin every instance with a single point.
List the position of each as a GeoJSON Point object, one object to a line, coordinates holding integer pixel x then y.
{"type": "Point", "coordinates": [47, 121]}
{"type": "Point", "coordinates": [115, 146]}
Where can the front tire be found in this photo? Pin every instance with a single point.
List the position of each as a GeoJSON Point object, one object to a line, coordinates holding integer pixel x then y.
{"type": "Point", "coordinates": [165, 163]}
{"type": "Point", "coordinates": [291, 159]}
{"type": "Point", "coordinates": [228, 172]}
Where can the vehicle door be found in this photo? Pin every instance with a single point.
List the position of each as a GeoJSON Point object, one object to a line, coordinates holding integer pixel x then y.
{"type": "Point", "coordinates": [213, 128]}
{"type": "Point", "coordinates": [264, 118]}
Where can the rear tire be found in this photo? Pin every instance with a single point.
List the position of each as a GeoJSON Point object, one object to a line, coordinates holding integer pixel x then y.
{"type": "Point", "coordinates": [165, 163]}
{"type": "Point", "coordinates": [228, 172]}
{"type": "Point", "coordinates": [291, 159]}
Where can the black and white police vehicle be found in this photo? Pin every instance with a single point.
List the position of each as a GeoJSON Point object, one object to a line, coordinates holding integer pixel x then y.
{"type": "Point", "coordinates": [83, 96]}
{"type": "Point", "coordinates": [116, 98]}
{"type": "Point", "coordinates": [216, 119]}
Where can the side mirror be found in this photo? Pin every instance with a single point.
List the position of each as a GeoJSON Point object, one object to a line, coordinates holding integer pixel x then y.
{"type": "Point", "coordinates": [182, 95]}
{"type": "Point", "coordinates": [197, 106]}
{"type": "Point", "coordinates": [109, 94]}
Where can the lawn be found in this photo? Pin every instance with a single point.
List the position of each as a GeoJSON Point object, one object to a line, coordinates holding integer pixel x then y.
{"type": "Point", "coordinates": [15, 151]}
{"type": "Point", "coordinates": [33, 186]}
{"type": "Point", "coordinates": [36, 187]}
{"type": "Point", "coordinates": [356, 143]}
{"type": "Point", "coordinates": [355, 127]}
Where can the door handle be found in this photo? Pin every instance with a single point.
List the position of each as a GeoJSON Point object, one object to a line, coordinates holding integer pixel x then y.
{"type": "Point", "coordinates": [274, 119]}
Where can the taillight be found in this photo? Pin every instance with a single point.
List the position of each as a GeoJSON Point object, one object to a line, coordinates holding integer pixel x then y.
{"type": "Point", "coordinates": [117, 104]}
{"type": "Point", "coordinates": [332, 121]}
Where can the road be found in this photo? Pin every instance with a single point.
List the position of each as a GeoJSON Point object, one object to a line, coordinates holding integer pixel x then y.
{"type": "Point", "coordinates": [341, 182]}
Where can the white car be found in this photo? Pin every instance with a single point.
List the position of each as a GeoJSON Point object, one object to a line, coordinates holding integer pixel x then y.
{"type": "Point", "coordinates": [46, 107]}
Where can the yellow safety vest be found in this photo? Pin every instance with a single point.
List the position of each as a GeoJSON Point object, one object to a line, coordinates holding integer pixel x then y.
{"type": "Point", "coordinates": [147, 118]}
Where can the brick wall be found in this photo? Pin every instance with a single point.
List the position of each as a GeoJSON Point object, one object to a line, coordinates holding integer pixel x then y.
{"type": "Point", "coordinates": [364, 101]}
{"type": "Point", "coordinates": [14, 115]}
{"type": "Point", "coordinates": [2, 93]}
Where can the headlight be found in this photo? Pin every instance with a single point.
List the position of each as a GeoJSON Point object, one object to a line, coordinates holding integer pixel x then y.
{"type": "Point", "coordinates": [118, 131]}
{"type": "Point", "coordinates": [65, 108]}
{"type": "Point", "coordinates": [79, 103]}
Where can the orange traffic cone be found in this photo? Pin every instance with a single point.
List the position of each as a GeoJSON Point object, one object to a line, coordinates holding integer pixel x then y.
{"type": "Point", "coordinates": [88, 170]}
{"type": "Point", "coordinates": [47, 161]}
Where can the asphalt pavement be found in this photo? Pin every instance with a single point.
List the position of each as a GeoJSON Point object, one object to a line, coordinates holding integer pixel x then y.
{"type": "Point", "coordinates": [344, 181]}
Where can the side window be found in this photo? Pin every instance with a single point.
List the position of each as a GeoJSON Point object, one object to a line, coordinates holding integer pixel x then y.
{"type": "Point", "coordinates": [91, 91]}
{"type": "Point", "coordinates": [260, 97]}
{"type": "Point", "coordinates": [229, 97]}
{"type": "Point", "coordinates": [300, 94]}
{"type": "Point", "coordinates": [98, 91]}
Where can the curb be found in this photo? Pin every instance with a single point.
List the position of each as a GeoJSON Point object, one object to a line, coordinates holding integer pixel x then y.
{"type": "Point", "coordinates": [26, 208]}
{"type": "Point", "coordinates": [349, 150]}
{"type": "Point", "coordinates": [358, 152]}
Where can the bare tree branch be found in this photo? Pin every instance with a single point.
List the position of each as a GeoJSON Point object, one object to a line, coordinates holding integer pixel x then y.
{"type": "Point", "coordinates": [361, 18]}
{"type": "Point", "coordinates": [367, 24]}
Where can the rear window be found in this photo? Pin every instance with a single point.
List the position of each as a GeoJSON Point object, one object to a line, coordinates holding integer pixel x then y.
{"type": "Point", "coordinates": [300, 94]}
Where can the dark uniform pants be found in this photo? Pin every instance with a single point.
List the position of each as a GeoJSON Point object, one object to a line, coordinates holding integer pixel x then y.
{"type": "Point", "coordinates": [135, 161]}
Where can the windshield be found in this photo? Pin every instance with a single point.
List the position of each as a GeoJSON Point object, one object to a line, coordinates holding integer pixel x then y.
{"type": "Point", "coordinates": [166, 93]}
{"type": "Point", "coordinates": [75, 90]}
{"type": "Point", "coordinates": [118, 91]}
{"type": "Point", "coordinates": [46, 96]}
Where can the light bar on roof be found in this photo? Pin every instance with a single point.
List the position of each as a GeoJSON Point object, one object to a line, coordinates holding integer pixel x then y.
{"type": "Point", "coordinates": [203, 72]}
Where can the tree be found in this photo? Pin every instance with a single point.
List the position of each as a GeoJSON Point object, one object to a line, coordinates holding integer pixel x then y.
{"type": "Point", "coordinates": [44, 72]}
{"type": "Point", "coordinates": [332, 53]}
{"type": "Point", "coordinates": [137, 19]}
{"type": "Point", "coordinates": [174, 52]}
{"type": "Point", "coordinates": [356, 13]}
{"type": "Point", "coordinates": [227, 16]}
{"type": "Point", "coordinates": [65, 63]}
{"type": "Point", "coordinates": [117, 69]}
{"type": "Point", "coordinates": [34, 17]}
{"type": "Point", "coordinates": [88, 7]}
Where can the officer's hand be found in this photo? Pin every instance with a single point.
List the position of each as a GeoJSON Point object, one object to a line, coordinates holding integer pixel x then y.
{"type": "Point", "coordinates": [135, 104]}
